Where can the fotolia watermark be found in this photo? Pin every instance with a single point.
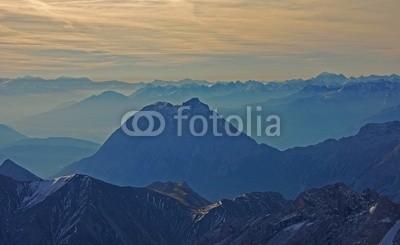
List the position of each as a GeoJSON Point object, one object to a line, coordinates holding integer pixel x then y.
{"type": "Point", "coordinates": [199, 125]}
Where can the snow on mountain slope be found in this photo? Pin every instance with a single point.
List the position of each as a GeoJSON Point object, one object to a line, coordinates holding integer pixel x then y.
{"type": "Point", "coordinates": [42, 189]}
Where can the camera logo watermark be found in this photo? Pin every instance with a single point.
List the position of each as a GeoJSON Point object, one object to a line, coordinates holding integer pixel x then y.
{"type": "Point", "coordinates": [136, 116]}
{"type": "Point", "coordinates": [271, 126]}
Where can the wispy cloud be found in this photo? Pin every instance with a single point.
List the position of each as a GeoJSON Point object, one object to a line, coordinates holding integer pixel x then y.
{"type": "Point", "coordinates": [144, 39]}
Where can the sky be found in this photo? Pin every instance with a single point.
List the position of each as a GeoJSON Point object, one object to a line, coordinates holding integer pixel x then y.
{"type": "Point", "coordinates": [143, 40]}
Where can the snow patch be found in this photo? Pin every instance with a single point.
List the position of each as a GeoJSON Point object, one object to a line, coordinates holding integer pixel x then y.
{"type": "Point", "coordinates": [288, 217]}
{"type": "Point", "coordinates": [372, 209]}
{"type": "Point", "coordinates": [295, 227]}
{"type": "Point", "coordinates": [42, 189]}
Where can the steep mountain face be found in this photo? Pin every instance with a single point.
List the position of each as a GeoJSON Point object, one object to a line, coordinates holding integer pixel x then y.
{"type": "Point", "coordinates": [12, 170]}
{"type": "Point", "coordinates": [9, 135]}
{"type": "Point", "coordinates": [78, 209]}
{"type": "Point", "coordinates": [214, 165]}
{"type": "Point", "coordinates": [249, 205]}
{"type": "Point", "coordinates": [86, 211]}
{"type": "Point", "coordinates": [46, 157]}
{"type": "Point", "coordinates": [369, 159]}
{"type": "Point", "coordinates": [330, 215]}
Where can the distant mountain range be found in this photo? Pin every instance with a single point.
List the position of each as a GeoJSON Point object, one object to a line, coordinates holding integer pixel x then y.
{"type": "Point", "coordinates": [43, 156]}
{"type": "Point", "coordinates": [94, 118]}
{"type": "Point", "coordinates": [327, 106]}
{"type": "Point", "coordinates": [225, 166]}
{"type": "Point", "coordinates": [38, 85]}
{"type": "Point", "coordinates": [28, 96]}
{"type": "Point", "coordinates": [317, 113]}
{"type": "Point", "coordinates": [79, 209]}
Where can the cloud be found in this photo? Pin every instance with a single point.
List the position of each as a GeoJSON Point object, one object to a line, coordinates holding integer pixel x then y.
{"type": "Point", "coordinates": [149, 36]}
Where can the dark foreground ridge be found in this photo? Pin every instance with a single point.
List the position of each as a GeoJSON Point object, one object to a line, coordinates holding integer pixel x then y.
{"type": "Point", "coordinates": [78, 209]}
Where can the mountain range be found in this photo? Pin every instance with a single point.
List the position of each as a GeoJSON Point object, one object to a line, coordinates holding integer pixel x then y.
{"type": "Point", "coordinates": [326, 106]}
{"type": "Point", "coordinates": [28, 96]}
{"type": "Point", "coordinates": [80, 209]}
{"type": "Point", "coordinates": [43, 156]}
{"type": "Point", "coordinates": [225, 166]}
{"type": "Point", "coordinates": [94, 117]}
{"type": "Point", "coordinates": [38, 85]}
{"type": "Point", "coordinates": [331, 177]}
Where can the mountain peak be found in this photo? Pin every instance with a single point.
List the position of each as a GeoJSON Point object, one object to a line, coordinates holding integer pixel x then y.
{"type": "Point", "coordinates": [12, 170]}
{"type": "Point", "coordinates": [67, 78]}
{"type": "Point", "coordinates": [326, 74]}
{"type": "Point", "coordinates": [181, 192]}
{"type": "Point", "coordinates": [4, 127]}
{"type": "Point", "coordinates": [9, 135]}
{"type": "Point", "coordinates": [192, 101]}
{"type": "Point", "coordinates": [169, 186]}
{"type": "Point", "coordinates": [331, 77]}
{"type": "Point", "coordinates": [196, 103]}
{"type": "Point", "coordinates": [104, 96]}
{"type": "Point", "coordinates": [112, 94]}
{"type": "Point", "coordinates": [176, 153]}
{"type": "Point", "coordinates": [8, 164]}
{"type": "Point", "coordinates": [326, 197]}
{"type": "Point", "coordinates": [159, 106]}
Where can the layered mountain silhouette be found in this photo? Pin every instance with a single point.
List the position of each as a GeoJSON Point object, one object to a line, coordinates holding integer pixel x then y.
{"type": "Point", "coordinates": [225, 166]}
{"type": "Point", "coordinates": [95, 115]}
{"type": "Point", "coordinates": [9, 135]}
{"type": "Point", "coordinates": [319, 112]}
{"type": "Point", "coordinates": [326, 106]}
{"type": "Point", "coordinates": [38, 85]}
{"type": "Point", "coordinates": [47, 156]}
{"type": "Point", "coordinates": [12, 170]}
{"type": "Point", "coordinates": [78, 209]}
